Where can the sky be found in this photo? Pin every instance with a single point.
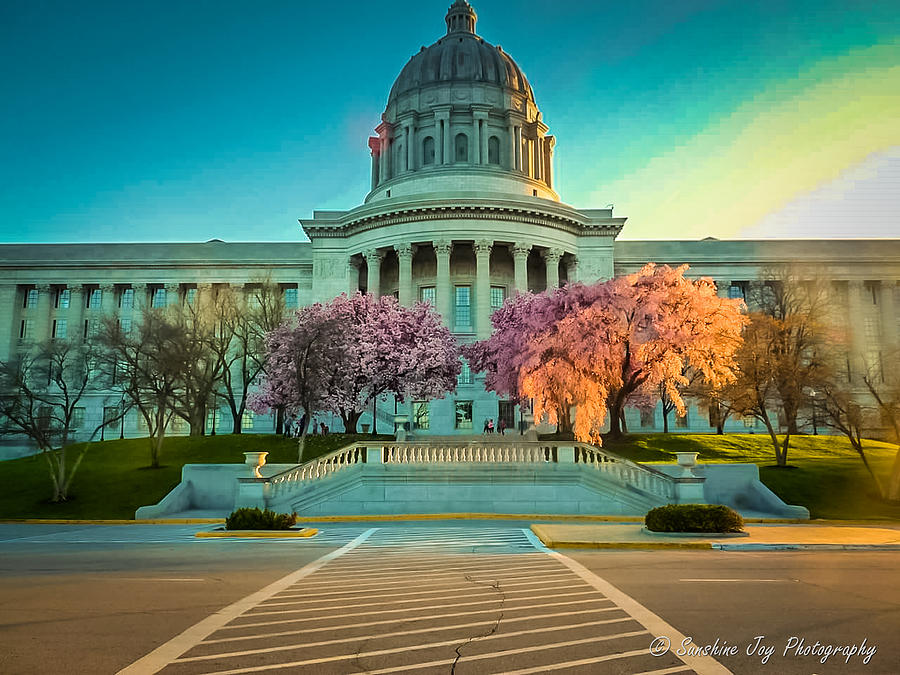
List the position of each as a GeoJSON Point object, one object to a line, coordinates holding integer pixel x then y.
{"type": "Point", "coordinates": [201, 119]}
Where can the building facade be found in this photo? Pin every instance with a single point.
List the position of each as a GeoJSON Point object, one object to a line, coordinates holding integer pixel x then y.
{"type": "Point", "coordinates": [462, 213]}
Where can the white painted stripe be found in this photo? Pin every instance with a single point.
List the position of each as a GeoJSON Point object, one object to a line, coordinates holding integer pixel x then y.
{"type": "Point", "coordinates": [252, 614]}
{"type": "Point", "coordinates": [506, 608]}
{"type": "Point", "coordinates": [154, 579]}
{"type": "Point", "coordinates": [394, 650]}
{"type": "Point", "coordinates": [579, 662]}
{"type": "Point", "coordinates": [734, 581]}
{"type": "Point", "coordinates": [166, 653]}
{"type": "Point", "coordinates": [703, 665]}
{"type": "Point", "coordinates": [440, 591]}
{"type": "Point", "coordinates": [433, 629]}
{"type": "Point", "coordinates": [438, 567]}
{"type": "Point", "coordinates": [444, 662]}
{"type": "Point", "coordinates": [665, 671]}
{"type": "Point", "coordinates": [392, 583]}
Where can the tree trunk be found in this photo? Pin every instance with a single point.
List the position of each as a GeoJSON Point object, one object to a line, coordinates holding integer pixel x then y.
{"type": "Point", "coordinates": [301, 442]}
{"type": "Point", "coordinates": [615, 418]}
{"type": "Point", "coordinates": [350, 419]}
{"type": "Point", "coordinates": [720, 428]}
{"type": "Point", "coordinates": [624, 422]}
{"type": "Point", "coordinates": [197, 422]}
{"type": "Point", "coordinates": [236, 422]}
{"type": "Point", "coordinates": [665, 421]}
{"type": "Point", "coordinates": [279, 421]}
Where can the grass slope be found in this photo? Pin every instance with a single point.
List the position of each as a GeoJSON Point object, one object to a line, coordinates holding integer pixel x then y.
{"type": "Point", "coordinates": [114, 480]}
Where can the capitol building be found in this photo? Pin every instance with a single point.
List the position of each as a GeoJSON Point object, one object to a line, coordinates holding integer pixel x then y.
{"type": "Point", "coordinates": [463, 212]}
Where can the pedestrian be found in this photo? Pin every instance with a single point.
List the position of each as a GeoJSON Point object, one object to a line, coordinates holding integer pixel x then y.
{"type": "Point", "coordinates": [491, 425]}
{"type": "Point", "coordinates": [485, 430]}
{"type": "Point", "coordinates": [324, 429]}
{"type": "Point", "coordinates": [287, 428]}
{"type": "Point", "coordinates": [502, 426]}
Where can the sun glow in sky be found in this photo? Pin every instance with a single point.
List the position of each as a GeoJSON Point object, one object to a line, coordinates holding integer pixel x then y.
{"type": "Point", "coordinates": [173, 121]}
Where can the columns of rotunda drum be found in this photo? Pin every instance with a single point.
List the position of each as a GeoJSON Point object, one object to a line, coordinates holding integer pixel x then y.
{"type": "Point", "coordinates": [520, 261]}
{"type": "Point", "coordinates": [373, 262]}
{"type": "Point", "coordinates": [480, 123]}
{"type": "Point", "coordinates": [483, 288]}
{"type": "Point", "coordinates": [405, 256]}
{"type": "Point", "coordinates": [375, 147]}
{"type": "Point", "coordinates": [411, 144]}
{"type": "Point", "coordinates": [353, 265]}
{"type": "Point", "coordinates": [552, 257]}
{"type": "Point", "coordinates": [444, 143]}
{"type": "Point", "coordinates": [549, 144]}
{"type": "Point", "coordinates": [442, 250]}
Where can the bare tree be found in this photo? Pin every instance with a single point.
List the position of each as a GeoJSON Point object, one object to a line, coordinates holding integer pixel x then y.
{"type": "Point", "coordinates": [40, 392]}
{"type": "Point", "coordinates": [882, 381]}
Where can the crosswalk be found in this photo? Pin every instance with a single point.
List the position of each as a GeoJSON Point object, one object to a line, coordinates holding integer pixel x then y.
{"type": "Point", "coordinates": [428, 600]}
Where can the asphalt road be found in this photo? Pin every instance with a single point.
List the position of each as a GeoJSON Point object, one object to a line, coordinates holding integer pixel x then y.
{"type": "Point", "coordinates": [424, 598]}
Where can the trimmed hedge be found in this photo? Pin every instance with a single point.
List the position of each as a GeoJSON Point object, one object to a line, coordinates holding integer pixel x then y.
{"type": "Point", "coordinates": [255, 519]}
{"type": "Point", "coordinates": [694, 518]}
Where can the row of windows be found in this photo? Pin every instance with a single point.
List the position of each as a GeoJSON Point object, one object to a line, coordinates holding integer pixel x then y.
{"type": "Point", "coordinates": [461, 149]}
{"type": "Point", "coordinates": [158, 298]}
{"type": "Point", "coordinates": [463, 301]}
{"type": "Point", "coordinates": [60, 328]}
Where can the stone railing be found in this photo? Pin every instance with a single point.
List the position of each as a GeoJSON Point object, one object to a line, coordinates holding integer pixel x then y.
{"type": "Point", "coordinates": [500, 452]}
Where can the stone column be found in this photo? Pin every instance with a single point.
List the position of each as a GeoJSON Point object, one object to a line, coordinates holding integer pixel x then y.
{"type": "Point", "coordinates": [483, 288]}
{"type": "Point", "coordinates": [411, 147]}
{"type": "Point", "coordinates": [518, 142]}
{"type": "Point", "coordinates": [572, 270]}
{"type": "Point", "coordinates": [476, 138]}
{"type": "Point", "coordinates": [140, 297]}
{"type": "Point", "coordinates": [42, 314]}
{"type": "Point", "coordinates": [237, 292]}
{"type": "Point", "coordinates": [373, 260]}
{"type": "Point", "coordinates": [549, 143]}
{"type": "Point", "coordinates": [888, 317]}
{"type": "Point", "coordinates": [511, 134]}
{"type": "Point", "coordinates": [353, 265]}
{"type": "Point", "coordinates": [443, 144]}
{"type": "Point", "coordinates": [552, 257]}
{"type": "Point", "coordinates": [857, 329]}
{"type": "Point", "coordinates": [383, 159]}
{"type": "Point", "coordinates": [539, 158]}
{"type": "Point", "coordinates": [205, 295]}
{"type": "Point", "coordinates": [374, 146]}
{"type": "Point", "coordinates": [722, 287]}
{"type": "Point", "coordinates": [444, 290]}
{"type": "Point", "coordinates": [405, 256]}
{"type": "Point", "coordinates": [520, 258]}
{"type": "Point", "coordinates": [172, 294]}
{"type": "Point", "coordinates": [107, 299]}
{"type": "Point", "coordinates": [76, 311]}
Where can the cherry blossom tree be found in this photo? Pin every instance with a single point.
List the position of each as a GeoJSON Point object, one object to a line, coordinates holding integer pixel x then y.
{"type": "Point", "coordinates": [340, 356]}
{"type": "Point", "coordinates": [599, 347]}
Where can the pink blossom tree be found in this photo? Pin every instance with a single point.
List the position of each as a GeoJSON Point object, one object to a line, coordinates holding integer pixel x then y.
{"type": "Point", "coordinates": [598, 347]}
{"type": "Point", "coordinates": [340, 356]}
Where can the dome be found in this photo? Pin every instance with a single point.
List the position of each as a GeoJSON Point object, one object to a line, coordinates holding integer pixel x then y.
{"type": "Point", "coordinates": [461, 56]}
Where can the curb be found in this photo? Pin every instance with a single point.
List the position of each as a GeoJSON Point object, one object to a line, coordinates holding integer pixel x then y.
{"type": "Point", "coordinates": [304, 533]}
{"type": "Point", "coordinates": [149, 521]}
{"type": "Point", "coordinates": [630, 545]}
{"type": "Point", "coordinates": [806, 547]}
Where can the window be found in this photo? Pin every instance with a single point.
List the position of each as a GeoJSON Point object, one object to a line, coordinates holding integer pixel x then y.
{"type": "Point", "coordinates": [91, 328]}
{"type": "Point", "coordinates": [190, 294]}
{"type": "Point", "coordinates": [177, 424]}
{"type": "Point", "coordinates": [428, 294]}
{"type": "Point", "coordinates": [213, 419]}
{"type": "Point", "coordinates": [159, 297]}
{"type": "Point", "coordinates": [749, 421]}
{"type": "Point", "coordinates": [421, 419]}
{"type": "Point", "coordinates": [428, 150]}
{"type": "Point", "coordinates": [872, 330]}
{"type": "Point", "coordinates": [498, 295]}
{"type": "Point", "coordinates": [465, 375]}
{"type": "Point", "coordinates": [110, 413]}
{"type": "Point", "coordinates": [493, 150]}
{"type": "Point", "coordinates": [507, 413]}
{"type": "Point", "coordinates": [63, 296]}
{"type": "Point", "coordinates": [290, 298]}
{"type": "Point", "coordinates": [125, 326]}
{"type": "Point", "coordinates": [247, 420]}
{"type": "Point", "coordinates": [462, 148]}
{"type": "Point", "coordinates": [464, 414]}
{"type": "Point", "coordinates": [463, 306]}
{"type": "Point", "coordinates": [60, 328]}
{"type": "Point", "coordinates": [648, 418]}
{"type": "Point", "coordinates": [31, 298]}
{"type": "Point", "coordinates": [77, 420]}
{"type": "Point", "coordinates": [26, 330]}
{"type": "Point", "coordinates": [94, 298]}
{"type": "Point", "coordinates": [126, 299]}
{"type": "Point", "coordinates": [736, 291]}
{"type": "Point", "coordinates": [681, 422]}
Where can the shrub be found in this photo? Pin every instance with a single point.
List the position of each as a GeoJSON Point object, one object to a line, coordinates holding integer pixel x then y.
{"type": "Point", "coordinates": [255, 519]}
{"type": "Point", "coordinates": [694, 518]}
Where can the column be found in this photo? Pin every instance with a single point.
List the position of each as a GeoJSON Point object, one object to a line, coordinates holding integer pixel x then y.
{"type": "Point", "coordinates": [438, 141]}
{"type": "Point", "coordinates": [888, 317]}
{"type": "Point", "coordinates": [76, 311]}
{"type": "Point", "coordinates": [405, 256]}
{"type": "Point", "coordinates": [382, 159]}
{"type": "Point", "coordinates": [572, 269]}
{"type": "Point", "coordinates": [520, 258]}
{"type": "Point", "coordinates": [483, 288]}
{"type": "Point", "coordinates": [722, 286]}
{"type": "Point", "coordinates": [484, 141]}
{"type": "Point", "coordinates": [42, 313]}
{"type": "Point", "coordinates": [205, 295]}
{"type": "Point", "coordinates": [518, 142]}
{"type": "Point", "coordinates": [411, 147]}
{"type": "Point", "coordinates": [539, 158]}
{"type": "Point", "coordinates": [549, 142]}
{"type": "Point", "coordinates": [10, 316]}
{"type": "Point", "coordinates": [511, 144]}
{"type": "Point", "coordinates": [353, 265]}
{"type": "Point", "coordinates": [374, 145]}
{"type": "Point", "coordinates": [857, 329]}
{"type": "Point", "coordinates": [552, 257]}
{"type": "Point", "coordinates": [172, 294]}
{"type": "Point", "coordinates": [444, 290]}
{"type": "Point", "coordinates": [476, 141]}
{"type": "Point", "coordinates": [373, 261]}
{"type": "Point", "coordinates": [140, 297]}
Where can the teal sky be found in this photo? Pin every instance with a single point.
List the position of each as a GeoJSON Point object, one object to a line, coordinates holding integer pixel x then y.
{"type": "Point", "coordinates": [186, 121]}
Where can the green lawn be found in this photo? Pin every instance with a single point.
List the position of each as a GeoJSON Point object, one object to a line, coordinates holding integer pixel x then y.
{"type": "Point", "coordinates": [829, 477]}
{"type": "Point", "coordinates": [114, 478]}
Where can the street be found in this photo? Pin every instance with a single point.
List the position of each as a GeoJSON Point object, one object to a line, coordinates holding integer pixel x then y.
{"type": "Point", "coordinates": [429, 597]}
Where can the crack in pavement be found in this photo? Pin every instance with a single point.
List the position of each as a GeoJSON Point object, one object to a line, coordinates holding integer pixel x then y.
{"type": "Point", "coordinates": [495, 585]}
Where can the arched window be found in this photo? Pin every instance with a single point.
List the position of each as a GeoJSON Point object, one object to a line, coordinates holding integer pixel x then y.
{"type": "Point", "coordinates": [462, 148]}
{"type": "Point", "coordinates": [493, 150]}
{"type": "Point", "coordinates": [428, 150]}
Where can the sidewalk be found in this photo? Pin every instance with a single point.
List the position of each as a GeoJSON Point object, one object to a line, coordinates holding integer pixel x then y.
{"type": "Point", "coordinates": [813, 536]}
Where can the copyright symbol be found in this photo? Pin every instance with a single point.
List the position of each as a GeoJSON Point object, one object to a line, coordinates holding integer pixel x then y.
{"type": "Point", "coordinates": [660, 646]}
